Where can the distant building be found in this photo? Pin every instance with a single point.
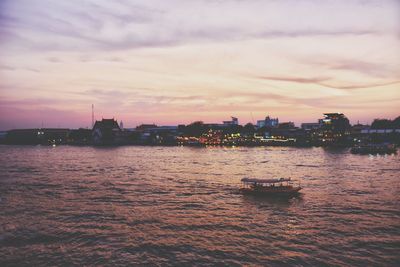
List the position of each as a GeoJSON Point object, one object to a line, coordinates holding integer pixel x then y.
{"type": "Point", "coordinates": [336, 122]}
{"type": "Point", "coordinates": [224, 125]}
{"type": "Point", "coordinates": [44, 136]}
{"type": "Point", "coordinates": [308, 126]}
{"type": "Point", "coordinates": [268, 122]}
{"type": "Point", "coordinates": [260, 123]}
{"type": "Point", "coordinates": [151, 134]}
{"type": "Point", "coordinates": [106, 132]}
{"type": "Point", "coordinates": [335, 128]}
{"type": "Point", "coordinates": [286, 131]}
{"type": "Point", "coordinates": [234, 121]}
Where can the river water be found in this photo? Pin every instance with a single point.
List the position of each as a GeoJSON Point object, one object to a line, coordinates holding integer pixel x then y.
{"type": "Point", "coordinates": [150, 206]}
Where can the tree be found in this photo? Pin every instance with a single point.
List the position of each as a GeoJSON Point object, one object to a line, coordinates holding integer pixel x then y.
{"type": "Point", "coordinates": [196, 129]}
{"type": "Point", "coordinates": [381, 124]}
{"type": "Point", "coordinates": [249, 128]}
{"type": "Point", "coordinates": [396, 123]}
{"type": "Point", "coordinates": [233, 129]}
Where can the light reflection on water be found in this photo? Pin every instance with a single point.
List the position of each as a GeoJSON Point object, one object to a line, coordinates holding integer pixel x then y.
{"type": "Point", "coordinates": [170, 205]}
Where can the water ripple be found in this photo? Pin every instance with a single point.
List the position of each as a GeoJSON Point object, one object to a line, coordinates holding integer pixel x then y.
{"type": "Point", "coordinates": [181, 206]}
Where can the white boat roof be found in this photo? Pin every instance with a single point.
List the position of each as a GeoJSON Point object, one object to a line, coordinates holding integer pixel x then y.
{"type": "Point", "coordinates": [265, 181]}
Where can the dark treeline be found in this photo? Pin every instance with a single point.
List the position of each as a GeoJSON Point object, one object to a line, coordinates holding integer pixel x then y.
{"type": "Point", "coordinates": [386, 124]}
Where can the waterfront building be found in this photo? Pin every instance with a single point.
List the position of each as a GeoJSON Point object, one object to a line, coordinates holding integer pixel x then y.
{"type": "Point", "coordinates": [152, 134]}
{"type": "Point", "coordinates": [43, 136]}
{"type": "Point", "coordinates": [233, 121]}
{"type": "Point", "coordinates": [312, 132]}
{"type": "Point", "coordinates": [225, 124]}
{"type": "Point", "coordinates": [212, 137]}
{"type": "Point", "coordinates": [107, 132]}
{"type": "Point", "coordinates": [336, 121]}
{"type": "Point", "coordinates": [379, 136]}
{"type": "Point", "coordinates": [335, 129]}
{"type": "Point", "coordinates": [311, 126]}
{"type": "Point", "coordinates": [260, 123]}
{"type": "Point", "coordinates": [286, 130]}
{"type": "Point", "coordinates": [268, 122]}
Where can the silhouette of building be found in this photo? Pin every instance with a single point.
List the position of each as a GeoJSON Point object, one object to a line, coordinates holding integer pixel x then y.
{"type": "Point", "coordinates": [152, 134]}
{"type": "Point", "coordinates": [44, 136]}
{"type": "Point", "coordinates": [309, 126]}
{"type": "Point", "coordinates": [234, 121]}
{"type": "Point", "coordinates": [106, 132]}
{"type": "Point", "coordinates": [268, 122]}
{"type": "Point", "coordinates": [335, 129]}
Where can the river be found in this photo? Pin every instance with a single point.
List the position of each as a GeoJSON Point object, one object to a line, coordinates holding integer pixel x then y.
{"type": "Point", "coordinates": [151, 206]}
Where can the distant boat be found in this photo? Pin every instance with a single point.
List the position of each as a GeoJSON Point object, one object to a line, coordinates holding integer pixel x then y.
{"type": "Point", "coordinates": [374, 149]}
{"type": "Point", "coordinates": [270, 187]}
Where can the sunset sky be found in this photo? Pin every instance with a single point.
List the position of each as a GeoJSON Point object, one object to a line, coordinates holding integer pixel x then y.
{"type": "Point", "coordinates": [171, 62]}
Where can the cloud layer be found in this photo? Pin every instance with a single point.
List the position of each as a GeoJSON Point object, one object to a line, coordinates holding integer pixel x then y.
{"type": "Point", "coordinates": [179, 61]}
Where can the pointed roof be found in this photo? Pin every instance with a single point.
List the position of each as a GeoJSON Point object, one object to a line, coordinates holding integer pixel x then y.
{"type": "Point", "coordinates": [106, 124]}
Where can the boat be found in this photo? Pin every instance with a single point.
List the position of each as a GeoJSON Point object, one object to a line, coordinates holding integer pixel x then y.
{"type": "Point", "coordinates": [374, 149]}
{"type": "Point", "coordinates": [270, 187]}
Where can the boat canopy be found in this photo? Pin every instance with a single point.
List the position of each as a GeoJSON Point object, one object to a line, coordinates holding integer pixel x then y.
{"type": "Point", "coordinates": [265, 181]}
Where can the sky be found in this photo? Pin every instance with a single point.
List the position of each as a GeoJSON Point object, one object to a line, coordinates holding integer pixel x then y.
{"type": "Point", "coordinates": [172, 62]}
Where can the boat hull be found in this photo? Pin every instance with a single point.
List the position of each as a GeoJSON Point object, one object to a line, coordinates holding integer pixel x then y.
{"type": "Point", "coordinates": [277, 191]}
